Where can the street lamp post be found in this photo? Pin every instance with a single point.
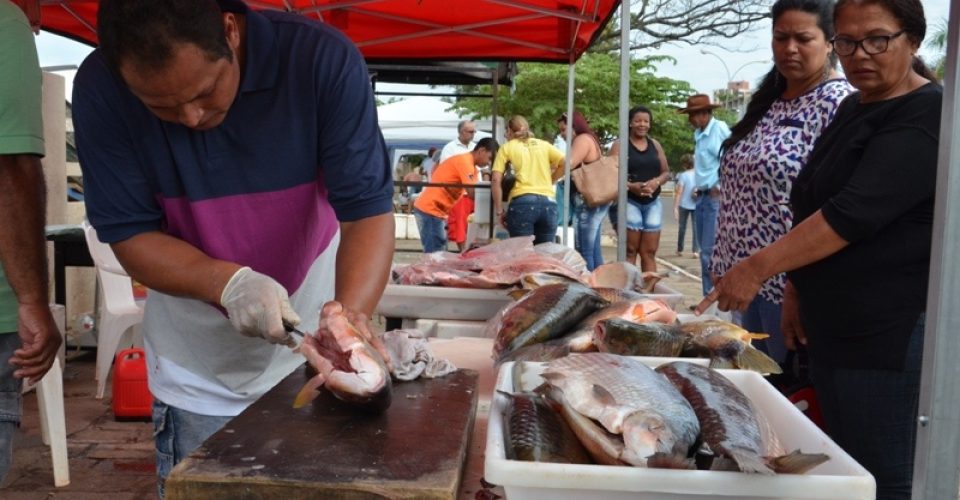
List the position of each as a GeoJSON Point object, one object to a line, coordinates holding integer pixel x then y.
{"type": "Point", "coordinates": [730, 77]}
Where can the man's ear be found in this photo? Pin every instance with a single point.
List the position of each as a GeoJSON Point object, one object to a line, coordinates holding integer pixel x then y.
{"type": "Point", "coordinates": [231, 29]}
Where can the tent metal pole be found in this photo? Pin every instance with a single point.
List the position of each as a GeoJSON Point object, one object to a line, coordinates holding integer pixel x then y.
{"type": "Point", "coordinates": [493, 133]}
{"type": "Point", "coordinates": [937, 456]}
{"type": "Point", "coordinates": [624, 129]}
{"type": "Point", "coordinates": [571, 74]}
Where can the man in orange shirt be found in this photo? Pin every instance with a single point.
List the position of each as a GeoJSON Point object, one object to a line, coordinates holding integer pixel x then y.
{"type": "Point", "coordinates": [435, 202]}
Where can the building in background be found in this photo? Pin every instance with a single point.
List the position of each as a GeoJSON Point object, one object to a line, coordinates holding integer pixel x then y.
{"type": "Point", "coordinates": [735, 97]}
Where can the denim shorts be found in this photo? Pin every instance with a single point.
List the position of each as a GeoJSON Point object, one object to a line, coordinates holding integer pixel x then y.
{"type": "Point", "coordinates": [177, 433]}
{"type": "Point", "coordinates": [648, 217]}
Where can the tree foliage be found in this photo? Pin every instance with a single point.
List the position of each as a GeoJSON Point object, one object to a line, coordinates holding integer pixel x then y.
{"type": "Point", "coordinates": [654, 22]}
{"type": "Point", "coordinates": [540, 95]}
{"type": "Point", "coordinates": [938, 42]}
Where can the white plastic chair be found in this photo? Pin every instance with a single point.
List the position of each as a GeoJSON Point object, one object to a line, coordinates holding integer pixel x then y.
{"type": "Point", "coordinates": [118, 310]}
{"type": "Point", "coordinates": [53, 422]}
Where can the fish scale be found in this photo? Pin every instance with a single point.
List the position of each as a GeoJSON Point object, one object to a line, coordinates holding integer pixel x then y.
{"type": "Point", "coordinates": [628, 398]}
{"type": "Point", "coordinates": [536, 432]}
{"type": "Point", "coordinates": [728, 420]}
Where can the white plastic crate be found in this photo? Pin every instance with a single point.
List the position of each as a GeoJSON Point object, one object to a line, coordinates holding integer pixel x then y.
{"type": "Point", "coordinates": [446, 328]}
{"type": "Point", "coordinates": [663, 292]}
{"type": "Point", "coordinates": [438, 302]}
{"type": "Point", "coordinates": [840, 478]}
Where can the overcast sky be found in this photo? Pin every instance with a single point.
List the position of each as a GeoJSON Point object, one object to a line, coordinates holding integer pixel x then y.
{"type": "Point", "coordinates": [746, 58]}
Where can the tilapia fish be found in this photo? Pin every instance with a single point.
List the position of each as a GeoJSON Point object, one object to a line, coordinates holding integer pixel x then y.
{"type": "Point", "coordinates": [347, 365]}
{"type": "Point", "coordinates": [581, 339]}
{"type": "Point", "coordinates": [627, 338]}
{"type": "Point", "coordinates": [543, 314]}
{"type": "Point", "coordinates": [729, 423]}
{"type": "Point", "coordinates": [728, 346]}
{"type": "Point", "coordinates": [627, 398]}
{"type": "Point", "coordinates": [624, 275]}
{"type": "Point", "coordinates": [535, 432]}
{"type": "Point", "coordinates": [611, 294]}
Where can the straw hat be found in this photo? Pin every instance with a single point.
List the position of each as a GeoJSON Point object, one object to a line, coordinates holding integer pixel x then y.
{"type": "Point", "coordinates": [698, 102]}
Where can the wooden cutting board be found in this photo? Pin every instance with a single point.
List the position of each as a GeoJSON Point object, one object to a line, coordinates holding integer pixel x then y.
{"type": "Point", "coordinates": [416, 449]}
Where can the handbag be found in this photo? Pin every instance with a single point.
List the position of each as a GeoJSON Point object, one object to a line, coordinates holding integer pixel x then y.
{"type": "Point", "coordinates": [507, 182]}
{"type": "Point", "coordinates": [597, 181]}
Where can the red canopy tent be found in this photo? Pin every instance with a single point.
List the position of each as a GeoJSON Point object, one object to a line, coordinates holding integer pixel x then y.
{"type": "Point", "coordinates": [415, 30]}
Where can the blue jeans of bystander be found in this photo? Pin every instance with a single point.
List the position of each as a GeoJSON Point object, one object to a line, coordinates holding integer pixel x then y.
{"type": "Point", "coordinates": [705, 230]}
{"type": "Point", "coordinates": [177, 433]}
{"type": "Point", "coordinates": [872, 415]}
{"type": "Point", "coordinates": [10, 400]}
{"type": "Point", "coordinates": [532, 214]}
{"type": "Point", "coordinates": [682, 229]}
{"type": "Point", "coordinates": [763, 316]}
{"type": "Point", "coordinates": [587, 235]}
{"type": "Point", "coordinates": [433, 234]}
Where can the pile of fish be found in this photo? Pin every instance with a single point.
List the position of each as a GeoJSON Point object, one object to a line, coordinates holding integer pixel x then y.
{"type": "Point", "coordinates": [554, 320]}
{"type": "Point", "coordinates": [357, 366]}
{"type": "Point", "coordinates": [517, 262]}
{"type": "Point", "coordinates": [679, 416]}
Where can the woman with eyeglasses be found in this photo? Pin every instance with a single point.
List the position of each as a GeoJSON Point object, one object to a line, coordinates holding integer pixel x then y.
{"type": "Point", "coordinates": [767, 148]}
{"type": "Point", "coordinates": [858, 257]}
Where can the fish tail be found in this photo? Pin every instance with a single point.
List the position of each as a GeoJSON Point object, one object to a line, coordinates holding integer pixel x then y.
{"type": "Point", "coordinates": [662, 460]}
{"type": "Point", "coordinates": [754, 359]}
{"type": "Point", "coordinates": [750, 462]}
{"type": "Point", "coordinates": [722, 363]}
{"type": "Point", "coordinates": [756, 336]}
{"type": "Point", "coordinates": [796, 462]}
{"type": "Point", "coordinates": [309, 391]}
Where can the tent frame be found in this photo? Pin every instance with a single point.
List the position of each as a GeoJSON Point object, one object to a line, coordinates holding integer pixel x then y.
{"type": "Point", "coordinates": [937, 455]}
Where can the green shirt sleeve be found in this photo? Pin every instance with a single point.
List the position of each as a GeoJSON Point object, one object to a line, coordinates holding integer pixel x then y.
{"type": "Point", "coordinates": [21, 123]}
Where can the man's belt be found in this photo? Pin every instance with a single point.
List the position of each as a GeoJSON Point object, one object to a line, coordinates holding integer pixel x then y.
{"type": "Point", "coordinates": [713, 191]}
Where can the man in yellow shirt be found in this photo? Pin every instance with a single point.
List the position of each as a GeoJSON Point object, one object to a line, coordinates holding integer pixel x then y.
{"type": "Point", "coordinates": [435, 202]}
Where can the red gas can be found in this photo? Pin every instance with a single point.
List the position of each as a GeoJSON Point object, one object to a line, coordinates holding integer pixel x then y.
{"type": "Point", "coordinates": [131, 397]}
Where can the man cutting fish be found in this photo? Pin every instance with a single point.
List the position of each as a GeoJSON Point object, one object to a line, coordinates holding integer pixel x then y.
{"type": "Point", "coordinates": [231, 158]}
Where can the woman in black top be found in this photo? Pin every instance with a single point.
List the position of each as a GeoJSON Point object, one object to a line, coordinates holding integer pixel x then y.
{"type": "Point", "coordinates": [647, 171]}
{"type": "Point", "coordinates": [859, 254]}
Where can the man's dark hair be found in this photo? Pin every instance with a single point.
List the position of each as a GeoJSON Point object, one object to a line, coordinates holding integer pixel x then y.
{"type": "Point", "coordinates": [144, 32]}
{"type": "Point", "coordinates": [488, 143]}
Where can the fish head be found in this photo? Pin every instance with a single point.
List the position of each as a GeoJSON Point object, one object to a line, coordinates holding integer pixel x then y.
{"type": "Point", "coordinates": [645, 434]}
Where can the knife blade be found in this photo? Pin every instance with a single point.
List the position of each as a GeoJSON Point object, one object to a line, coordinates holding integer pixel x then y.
{"type": "Point", "coordinates": [292, 329]}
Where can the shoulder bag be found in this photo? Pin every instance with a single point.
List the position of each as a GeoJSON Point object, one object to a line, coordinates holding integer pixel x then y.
{"type": "Point", "coordinates": [597, 181]}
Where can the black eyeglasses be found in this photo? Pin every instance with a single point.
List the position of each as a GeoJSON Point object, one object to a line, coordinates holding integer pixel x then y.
{"type": "Point", "coordinates": [871, 45]}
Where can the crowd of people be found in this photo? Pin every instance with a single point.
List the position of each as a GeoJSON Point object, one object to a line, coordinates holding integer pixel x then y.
{"type": "Point", "coordinates": [812, 213]}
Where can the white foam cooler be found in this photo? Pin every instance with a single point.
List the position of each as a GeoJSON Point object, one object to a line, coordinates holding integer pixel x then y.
{"type": "Point", "coordinates": [840, 478]}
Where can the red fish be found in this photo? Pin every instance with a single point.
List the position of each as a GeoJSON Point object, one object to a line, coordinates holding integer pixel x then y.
{"type": "Point", "coordinates": [347, 364]}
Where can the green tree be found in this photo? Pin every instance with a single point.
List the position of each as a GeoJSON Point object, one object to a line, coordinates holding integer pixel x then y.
{"type": "Point", "coordinates": [655, 22]}
{"type": "Point", "coordinates": [540, 95]}
{"type": "Point", "coordinates": [938, 42]}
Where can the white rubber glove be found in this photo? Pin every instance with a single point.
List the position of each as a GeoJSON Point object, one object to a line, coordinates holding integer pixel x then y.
{"type": "Point", "coordinates": [257, 306]}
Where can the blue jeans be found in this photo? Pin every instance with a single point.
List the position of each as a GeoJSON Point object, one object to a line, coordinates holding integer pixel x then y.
{"type": "Point", "coordinates": [705, 230]}
{"type": "Point", "coordinates": [682, 229]}
{"type": "Point", "coordinates": [433, 234]}
{"type": "Point", "coordinates": [587, 236]}
{"type": "Point", "coordinates": [532, 214]}
{"type": "Point", "coordinates": [763, 316]}
{"type": "Point", "coordinates": [177, 433]}
{"type": "Point", "coordinates": [872, 415]}
{"type": "Point", "coordinates": [11, 401]}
